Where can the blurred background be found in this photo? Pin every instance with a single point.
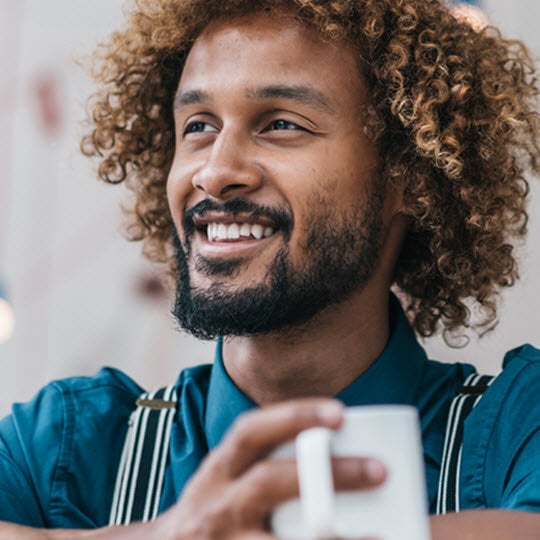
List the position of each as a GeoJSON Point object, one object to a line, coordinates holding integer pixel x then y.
{"type": "Point", "coordinates": [83, 297]}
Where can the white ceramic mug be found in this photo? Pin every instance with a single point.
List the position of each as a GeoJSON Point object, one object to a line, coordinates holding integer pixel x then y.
{"type": "Point", "coordinates": [397, 510]}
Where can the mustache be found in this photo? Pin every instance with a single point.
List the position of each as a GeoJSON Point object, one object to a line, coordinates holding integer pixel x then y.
{"type": "Point", "coordinates": [281, 218]}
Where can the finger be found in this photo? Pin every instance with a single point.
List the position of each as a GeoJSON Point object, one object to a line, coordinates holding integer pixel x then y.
{"type": "Point", "coordinates": [271, 482]}
{"type": "Point", "coordinates": [255, 434]}
{"type": "Point", "coordinates": [352, 473]}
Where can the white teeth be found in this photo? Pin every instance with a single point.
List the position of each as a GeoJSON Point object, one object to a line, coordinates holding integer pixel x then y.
{"type": "Point", "coordinates": [257, 231]}
{"type": "Point", "coordinates": [245, 229]}
{"type": "Point", "coordinates": [222, 232]}
{"type": "Point", "coordinates": [234, 231]}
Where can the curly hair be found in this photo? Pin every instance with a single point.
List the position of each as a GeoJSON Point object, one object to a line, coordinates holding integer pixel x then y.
{"type": "Point", "coordinates": [452, 111]}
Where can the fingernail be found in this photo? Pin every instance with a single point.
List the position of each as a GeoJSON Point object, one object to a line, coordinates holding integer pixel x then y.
{"type": "Point", "coordinates": [331, 412]}
{"type": "Point", "coordinates": [375, 470]}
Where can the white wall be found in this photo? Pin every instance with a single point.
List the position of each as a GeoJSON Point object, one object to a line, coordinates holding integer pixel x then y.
{"type": "Point", "coordinates": [71, 277]}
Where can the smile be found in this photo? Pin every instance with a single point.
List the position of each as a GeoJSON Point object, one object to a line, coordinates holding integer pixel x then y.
{"type": "Point", "coordinates": [217, 232]}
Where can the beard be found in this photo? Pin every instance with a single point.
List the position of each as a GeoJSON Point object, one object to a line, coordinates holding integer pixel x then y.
{"type": "Point", "coordinates": [339, 254]}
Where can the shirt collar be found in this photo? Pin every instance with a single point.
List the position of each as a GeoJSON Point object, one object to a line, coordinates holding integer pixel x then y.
{"type": "Point", "coordinates": [394, 378]}
{"type": "Point", "coordinates": [225, 401]}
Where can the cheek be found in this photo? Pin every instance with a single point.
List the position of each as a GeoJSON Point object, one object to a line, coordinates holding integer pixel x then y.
{"type": "Point", "coordinates": [309, 210]}
{"type": "Point", "coordinates": [179, 190]}
{"type": "Point", "coordinates": [173, 199]}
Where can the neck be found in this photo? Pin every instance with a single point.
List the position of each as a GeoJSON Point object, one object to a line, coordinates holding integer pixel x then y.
{"type": "Point", "coordinates": [318, 359]}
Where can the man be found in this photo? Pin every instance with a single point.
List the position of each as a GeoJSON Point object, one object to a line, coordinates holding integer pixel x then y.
{"type": "Point", "coordinates": [290, 162]}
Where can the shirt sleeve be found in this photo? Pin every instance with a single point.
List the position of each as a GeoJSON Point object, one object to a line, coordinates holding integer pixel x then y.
{"type": "Point", "coordinates": [59, 453]}
{"type": "Point", "coordinates": [522, 491]}
{"type": "Point", "coordinates": [23, 491]}
{"type": "Point", "coordinates": [513, 462]}
{"type": "Point", "coordinates": [500, 460]}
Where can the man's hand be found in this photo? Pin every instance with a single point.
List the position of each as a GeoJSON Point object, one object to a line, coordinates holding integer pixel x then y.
{"type": "Point", "coordinates": [235, 490]}
{"type": "Point", "coordinates": [233, 493]}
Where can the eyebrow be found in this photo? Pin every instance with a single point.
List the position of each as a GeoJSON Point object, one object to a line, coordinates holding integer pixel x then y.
{"type": "Point", "coordinates": [300, 93]}
{"type": "Point", "coordinates": [190, 97]}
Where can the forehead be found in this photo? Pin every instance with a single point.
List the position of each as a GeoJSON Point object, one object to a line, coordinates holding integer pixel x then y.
{"type": "Point", "coordinates": [264, 49]}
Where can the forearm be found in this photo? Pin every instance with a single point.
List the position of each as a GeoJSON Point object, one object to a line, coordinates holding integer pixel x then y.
{"type": "Point", "coordinates": [486, 525]}
{"type": "Point", "coordinates": [138, 531]}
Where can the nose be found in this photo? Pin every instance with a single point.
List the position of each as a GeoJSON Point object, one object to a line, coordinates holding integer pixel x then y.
{"type": "Point", "coordinates": [230, 169]}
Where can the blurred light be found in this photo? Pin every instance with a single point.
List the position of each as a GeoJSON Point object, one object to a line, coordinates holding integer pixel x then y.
{"type": "Point", "coordinates": [7, 318]}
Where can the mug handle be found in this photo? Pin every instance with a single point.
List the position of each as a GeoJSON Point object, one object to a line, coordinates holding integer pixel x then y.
{"type": "Point", "coordinates": [317, 499]}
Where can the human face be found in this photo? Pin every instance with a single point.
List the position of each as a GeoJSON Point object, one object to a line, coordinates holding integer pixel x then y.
{"type": "Point", "coordinates": [270, 151]}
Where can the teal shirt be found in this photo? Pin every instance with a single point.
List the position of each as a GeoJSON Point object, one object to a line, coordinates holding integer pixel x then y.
{"type": "Point", "coordinates": [59, 453]}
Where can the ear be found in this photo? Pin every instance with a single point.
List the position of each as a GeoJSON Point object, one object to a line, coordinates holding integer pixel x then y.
{"type": "Point", "coordinates": [394, 204]}
{"type": "Point", "coordinates": [396, 216]}
{"type": "Point", "coordinates": [396, 224]}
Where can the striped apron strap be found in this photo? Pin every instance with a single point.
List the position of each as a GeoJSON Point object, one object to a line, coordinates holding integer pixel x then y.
{"type": "Point", "coordinates": [463, 403]}
{"type": "Point", "coordinates": [139, 481]}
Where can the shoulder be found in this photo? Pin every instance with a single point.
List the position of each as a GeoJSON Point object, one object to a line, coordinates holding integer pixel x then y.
{"type": "Point", "coordinates": [106, 377]}
{"type": "Point", "coordinates": [524, 355]}
{"type": "Point", "coordinates": [503, 431]}
{"type": "Point", "coordinates": [61, 405]}
{"type": "Point", "coordinates": [72, 430]}
{"type": "Point", "coordinates": [198, 375]}
{"type": "Point", "coordinates": [440, 380]}
{"type": "Point", "coordinates": [60, 436]}
{"type": "Point", "coordinates": [515, 390]}
{"type": "Point", "coordinates": [512, 399]}
{"type": "Point", "coordinates": [55, 405]}
{"type": "Point", "coordinates": [105, 392]}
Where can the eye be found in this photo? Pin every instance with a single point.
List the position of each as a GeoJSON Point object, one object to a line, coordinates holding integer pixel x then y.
{"type": "Point", "coordinates": [280, 124]}
{"type": "Point", "coordinates": [199, 127]}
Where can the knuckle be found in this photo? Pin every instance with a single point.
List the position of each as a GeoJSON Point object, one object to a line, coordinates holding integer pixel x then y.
{"type": "Point", "coordinates": [241, 432]}
{"type": "Point", "coordinates": [216, 519]}
{"type": "Point", "coordinates": [262, 474]}
{"type": "Point", "coordinates": [209, 521]}
{"type": "Point", "coordinates": [212, 468]}
{"type": "Point", "coordinates": [304, 414]}
{"type": "Point", "coordinates": [251, 494]}
{"type": "Point", "coordinates": [246, 504]}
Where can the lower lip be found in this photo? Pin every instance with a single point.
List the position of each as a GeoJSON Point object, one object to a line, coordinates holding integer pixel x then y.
{"type": "Point", "coordinates": [228, 248]}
